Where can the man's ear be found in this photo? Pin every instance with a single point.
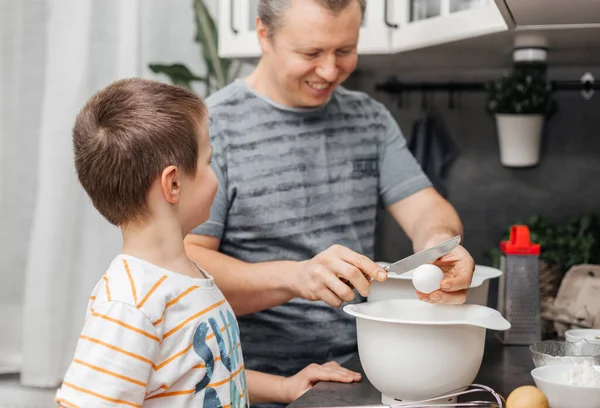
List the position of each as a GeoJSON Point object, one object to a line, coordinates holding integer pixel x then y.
{"type": "Point", "coordinates": [262, 32]}
{"type": "Point", "coordinates": [171, 184]}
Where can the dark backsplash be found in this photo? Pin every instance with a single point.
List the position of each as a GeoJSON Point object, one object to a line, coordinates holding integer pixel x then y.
{"type": "Point", "coordinates": [488, 196]}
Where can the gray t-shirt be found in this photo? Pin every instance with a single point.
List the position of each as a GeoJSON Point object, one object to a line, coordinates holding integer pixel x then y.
{"type": "Point", "coordinates": [293, 182]}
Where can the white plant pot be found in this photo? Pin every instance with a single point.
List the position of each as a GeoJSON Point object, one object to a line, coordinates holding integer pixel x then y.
{"type": "Point", "coordinates": [520, 138]}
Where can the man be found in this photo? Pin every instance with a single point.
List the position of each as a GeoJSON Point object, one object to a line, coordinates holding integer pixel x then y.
{"type": "Point", "coordinates": [302, 165]}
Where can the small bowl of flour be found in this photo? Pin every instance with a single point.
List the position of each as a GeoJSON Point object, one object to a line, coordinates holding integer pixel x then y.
{"type": "Point", "coordinates": [550, 352]}
{"type": "Point", "coordinates": [569, 385]}
{"type": "Point", "coordinates": [583, 374]}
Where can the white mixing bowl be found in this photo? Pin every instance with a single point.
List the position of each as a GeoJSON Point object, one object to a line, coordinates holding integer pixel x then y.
{"type": "Point", "coordinates": [412, 350]}
{"type": "Point", "coordinates": [550, 380]}
{"type": "Point", "coordinates": [401, 287]}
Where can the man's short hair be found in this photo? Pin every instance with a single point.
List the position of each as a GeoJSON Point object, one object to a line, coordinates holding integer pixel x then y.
{"type": "Point", "coordinates": [271, 12]}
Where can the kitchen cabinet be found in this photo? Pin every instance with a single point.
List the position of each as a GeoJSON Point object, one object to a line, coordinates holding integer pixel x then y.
{"type": "Point", "coordinates": [237, 29]}
{"type": "Point", "coordinates": [425, 23]}
{"type": "Point", "coordinates": [389, 26]}
{"type": "Point", "coordinates": [375, 33]}
{"type": "Point", "coordinates": [438, 32]}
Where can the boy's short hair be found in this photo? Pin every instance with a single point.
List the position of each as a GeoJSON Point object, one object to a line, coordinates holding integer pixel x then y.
{"type": "Point", "coordinates": [126, 135]}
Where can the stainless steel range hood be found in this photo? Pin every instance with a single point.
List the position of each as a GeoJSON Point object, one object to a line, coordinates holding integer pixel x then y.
{"type": "Point", "coordinates": [546, 14]}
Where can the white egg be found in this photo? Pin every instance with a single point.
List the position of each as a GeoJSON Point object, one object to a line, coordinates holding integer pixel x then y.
{"type": "Point", "coordinates": [427, 278]}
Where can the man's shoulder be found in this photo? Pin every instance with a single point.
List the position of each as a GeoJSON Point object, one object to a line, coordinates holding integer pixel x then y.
{"type": "Point", "coordinates": [231, 94]}
{"type": "Point", "coordinates": [358, 98]}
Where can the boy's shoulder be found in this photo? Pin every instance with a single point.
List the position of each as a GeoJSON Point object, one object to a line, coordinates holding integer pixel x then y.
{"type": "Point", "coordinates": [144, 286]}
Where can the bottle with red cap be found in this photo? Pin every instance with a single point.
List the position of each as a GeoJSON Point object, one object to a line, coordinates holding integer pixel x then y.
{"type": "Point", "coordinates": [519, 288]}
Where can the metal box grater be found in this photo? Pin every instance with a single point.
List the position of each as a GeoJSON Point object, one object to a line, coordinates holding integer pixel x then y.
{"type": "Point", "coordinates": [519, 288]}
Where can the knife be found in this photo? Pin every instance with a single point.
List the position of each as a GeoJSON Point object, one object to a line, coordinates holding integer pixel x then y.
{"type": "Point", "coordinates": [422, 257]}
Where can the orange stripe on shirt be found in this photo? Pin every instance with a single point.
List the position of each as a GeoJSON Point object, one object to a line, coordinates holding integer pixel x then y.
{"type": "Point", "coordinates": [127, 326]}
{"type": "Point", "coordinates": [226, 380]}
{"type": "Point", "coordinates": [171, 394]}
{"type": "Point", "coordinates": [189, 319]}
{"type": "Point", "coordinates": [172, 302]}
{"type": "Point", "coordinates": [210, 336]}
{"type": "Point", "coordinates": [201, 365]}
{"type": "Point", "coordinates": [173, 357]}
{"type": "Point", "coordinates": [185, 350]}
{"type": "Point", "coordinates": [159, 320]}
{"type": "Point", "coordinates": [111, 373]}
{"type": "Point", "coordinates": [185, 392]}
{"type": "Point", "coordinates": [66, 403]}
{"type": "Point", "coordinates": [131, 283]}
{"type": "Point", "coordinates": [178, 298]}
{"type": "Point", "coordinates": [182, 392]}
{"type": "Point", "coordinates": [120, 350]}
{"type": "Point", "coordinates": [107, 288]}
{"type": "Point", "coordinates": [152, 289]}
{"type": "Point", "coordinates": [104, 397]}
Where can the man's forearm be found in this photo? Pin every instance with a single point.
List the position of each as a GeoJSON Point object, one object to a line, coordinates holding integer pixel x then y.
{"type": "Point", "coordinates": [249, 287]}
{"type": "Point", "coordinates": [439, 223]}
{"type": "Point", "coordinates": [427, 218]}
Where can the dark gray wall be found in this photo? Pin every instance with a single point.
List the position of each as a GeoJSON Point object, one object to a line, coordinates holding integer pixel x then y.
{"type": "Point", "coordinates": [488, 196]}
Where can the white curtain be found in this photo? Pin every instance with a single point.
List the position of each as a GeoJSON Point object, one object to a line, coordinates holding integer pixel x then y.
{"type": "Point", "coordinates": [54, 246]}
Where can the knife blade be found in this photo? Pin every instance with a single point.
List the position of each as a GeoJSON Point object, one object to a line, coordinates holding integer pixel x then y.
{"type": "Point", "coordinates": [422, 257]}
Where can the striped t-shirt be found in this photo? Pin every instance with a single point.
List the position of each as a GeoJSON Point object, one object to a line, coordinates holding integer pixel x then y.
{"type": "Point", "coordinates": [154, 338]}
{"type": "Point", "coordinates": [293, 182]}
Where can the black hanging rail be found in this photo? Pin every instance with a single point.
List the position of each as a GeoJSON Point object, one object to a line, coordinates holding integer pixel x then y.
{"type": "Point", "coordinates": [575, 85]}
{"type": "Point", "coordinates": [394, 86]}
{"type": "Point", "coordinates": [586, 85]}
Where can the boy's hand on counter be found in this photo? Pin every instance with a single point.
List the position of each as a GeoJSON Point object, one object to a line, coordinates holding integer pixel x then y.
{"type": "Point", "coordinates": [293, 387]}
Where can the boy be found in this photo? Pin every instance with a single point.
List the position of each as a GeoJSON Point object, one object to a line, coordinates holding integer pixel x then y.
{"type": "Point", "coordinates": [158, 331]}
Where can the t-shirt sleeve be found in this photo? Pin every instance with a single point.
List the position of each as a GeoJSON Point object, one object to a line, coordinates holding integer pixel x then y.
{"type": "Point", "coordinates": [113, 359]}
{"type": "Point", "coordinates": [218, 211]}
{"type": "Point", "coordinates": [400, 174]}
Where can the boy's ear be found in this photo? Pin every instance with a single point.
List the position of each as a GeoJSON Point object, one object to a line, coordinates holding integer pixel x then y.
{"type": "Point", "coordinates": [171, 184]}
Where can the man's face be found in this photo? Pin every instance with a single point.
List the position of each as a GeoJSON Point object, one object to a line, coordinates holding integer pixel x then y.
{"type": "Point", "coordinates": [312, 52]}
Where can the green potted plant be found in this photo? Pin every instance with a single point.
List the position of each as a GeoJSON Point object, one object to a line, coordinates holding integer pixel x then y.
{"type": "Point", "coordinates": [520, 101]}
{"type": "Point", "coordinates": [564, 245]}
{"type": "Point", "coordinates": [219, 71]}
{"type": "Point", "coordinates": [573, 242]}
